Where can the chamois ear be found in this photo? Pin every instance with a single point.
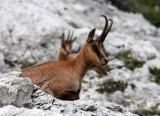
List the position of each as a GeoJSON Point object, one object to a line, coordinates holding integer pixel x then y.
{"type": "Point", "coordinates": [62, 36]}
{"type": "Point", "coordinates": [91, 35]}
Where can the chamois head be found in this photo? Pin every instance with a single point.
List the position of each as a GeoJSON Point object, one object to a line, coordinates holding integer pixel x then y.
{"type": "Point", "coordinates": [66, 44]}
{"type": "Point", "coordinates": [95, 47]}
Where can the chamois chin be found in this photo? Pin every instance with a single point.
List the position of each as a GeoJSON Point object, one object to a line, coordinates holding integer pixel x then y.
{"type": "Point", "coordinates": [65, 50]}
{"type": "Point", "coordinates": [63, 79]}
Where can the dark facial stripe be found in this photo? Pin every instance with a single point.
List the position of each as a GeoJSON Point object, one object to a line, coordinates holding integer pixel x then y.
{"type": "Point", "coordinates": [95, 50]}
{"type": "Point", "coordinates": [63, 46]}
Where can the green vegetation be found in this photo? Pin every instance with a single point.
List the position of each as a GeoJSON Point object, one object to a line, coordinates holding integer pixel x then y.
{"type": "Point", "coordinates": [156, 73]}
{"type": "Point", "coordinates": [132, 85]}
{"type": "Point", "coordinates": [128, 61]}
{"type": "Point", "coordinates": [73, 24]}
{"type": "Point", "coordinates": [92, 77]}
{"type": "Point", "coordinates": [83, 81]}
{"type": "Point", "coordinates": [148, 112]}
{"type": "Point", "coordinates": [25, 63]}
{"type": "Point", "coordinates": [110, 86]}
{"type": "Point", "coordinates": [106, 53]}
{"type": "Point", "coordinates": [145, 112]}
{"type": "Point", "coordinates": [149, 8]}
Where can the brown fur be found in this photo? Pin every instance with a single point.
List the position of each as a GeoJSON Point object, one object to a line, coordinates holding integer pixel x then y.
{"type": "Point", "coordinates": [63, 79]}
{"type": "Point", "coordinates": [60, 78]}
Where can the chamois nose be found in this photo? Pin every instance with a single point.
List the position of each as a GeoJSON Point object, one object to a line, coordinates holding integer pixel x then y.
{"type": "Point", "coordinates": [106, 61]}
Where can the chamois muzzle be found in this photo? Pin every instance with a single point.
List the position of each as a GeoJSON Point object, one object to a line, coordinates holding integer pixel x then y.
{"type": "Point", "coordinates": [106, 30]}
{"type": "Point", "coordinates": [106, 61]}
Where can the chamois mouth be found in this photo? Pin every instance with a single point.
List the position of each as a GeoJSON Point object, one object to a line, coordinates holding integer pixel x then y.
{"type": "Point", "coordinates": [104, 64]}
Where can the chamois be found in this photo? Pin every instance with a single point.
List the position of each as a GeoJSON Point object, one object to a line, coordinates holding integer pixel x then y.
{"type": "Point", "coordinates": [66, 53]}
{"type": "Point", "coordinates": [65, 50]}
{"type": "Point", "coordinates": [63, 79]}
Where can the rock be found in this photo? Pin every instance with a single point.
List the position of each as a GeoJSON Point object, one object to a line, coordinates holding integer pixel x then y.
{"type": "Point", "coordinates": [154, 63]}
{"type": "Point", "coordinates": [115, 63]}
{"type": "Point", "coordinates": [117, 42]}
{"type": "Point", "coordinates": [122, 74]}
{"type": "Point", "coordinates": [143, 51]}
{"type": "Point", "coordinates": [3, 67]}
{"type": "Point", "coordinates": [40, 99]}
{"type": "Point", "coordinates": [14, 111]}
{"type": "Point", "coordinates": [81, 107]}
{"type": "Point", "coordinates": [19, 92]}
{"type": "Point", "coordinates": [15, 90]}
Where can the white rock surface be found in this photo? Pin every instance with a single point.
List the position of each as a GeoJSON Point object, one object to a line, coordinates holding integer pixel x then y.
{"type": "Point", "coordinates": [115, 63]}
{"type": "Point", "coordinates": [80, 107]}
{"type": "Point", "coordinates": [14, 111]}
{"type": "Point", "coordinates": [118, 42]}
{"type": "Point", "coordinates": [143, 51]}
{"type": "Point", "coordinates": [46, 105]}
{"type": "Point", "coordinates": [15, 90]}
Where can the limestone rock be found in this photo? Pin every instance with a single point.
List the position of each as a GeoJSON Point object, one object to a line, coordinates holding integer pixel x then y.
{"type": "Point", "coordinates": [143, 51]}
{"type": "Point", "coordinates": [15, 90]}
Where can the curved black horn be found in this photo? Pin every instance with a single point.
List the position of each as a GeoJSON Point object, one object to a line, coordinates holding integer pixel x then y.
{"type": "Point", "coordinates": [106, 30]}
{"type": "Point", "coordinates": [109, 28]}
{"type": "Point", "coordinates": [100, 38]}
{"type": "Point", "coordinates": [68, 35]}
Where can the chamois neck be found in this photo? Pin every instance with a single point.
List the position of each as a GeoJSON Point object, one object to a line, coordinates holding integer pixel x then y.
{"type": "Point", "coordinates": [82, 63]}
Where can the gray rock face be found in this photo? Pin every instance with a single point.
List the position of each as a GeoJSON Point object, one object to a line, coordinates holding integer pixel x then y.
{"type": "Point", "coordinates": [115, 64]}
{"type": "Point", "coordinates": [19, 94]}
{"type": "Point", "coordinates": [3, 67]}
{"type": "Point", "coordinates": [143, 51]}
{"type": "Point", "coordinates": [80, 107]}
{"type": "Point", "coordinates": [118, 42]}
{"type": "Point", "coordinates": [14, 111]}
{"type": "Point", "coordinates": [15, 90]}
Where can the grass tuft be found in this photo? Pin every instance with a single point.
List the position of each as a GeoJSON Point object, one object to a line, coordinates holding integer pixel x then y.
{"type": "Point", "coordinates": [25, 63]}
{"type": "Point", "coordinates": [73, 24]}
{"type": "Point", "coordinates": [128, 61]}
{"type": "Point", "coordinates": [156, 73]}
{"type": "Point", "coordinates": [110, 86]}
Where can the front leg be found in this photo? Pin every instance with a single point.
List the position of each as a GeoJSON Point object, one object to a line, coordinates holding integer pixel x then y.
{"type": "Point", "coordinates": [46, 88]}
